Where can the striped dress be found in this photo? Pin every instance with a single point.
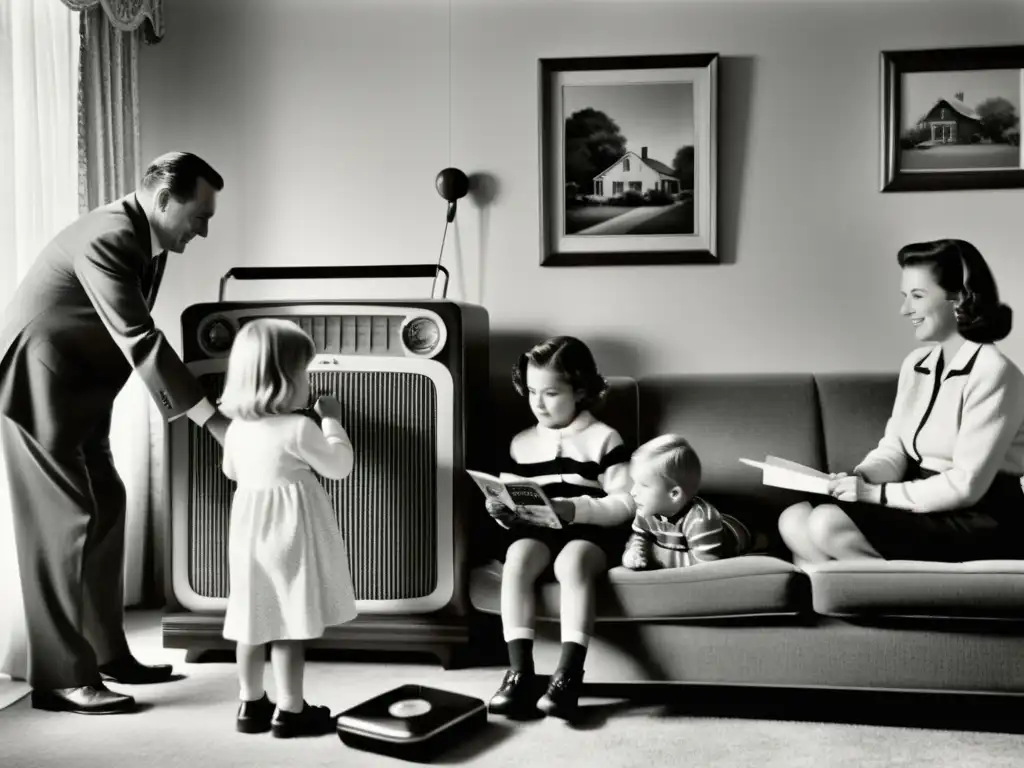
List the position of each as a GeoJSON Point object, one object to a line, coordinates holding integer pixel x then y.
{"type": "Point", "coordinates": [587, 462]}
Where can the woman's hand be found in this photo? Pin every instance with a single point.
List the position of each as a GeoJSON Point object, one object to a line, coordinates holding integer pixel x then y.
{"type": "Point", "coordinates": [844, 487]}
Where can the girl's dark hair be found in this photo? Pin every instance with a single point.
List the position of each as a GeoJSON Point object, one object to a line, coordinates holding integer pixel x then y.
{"type": "Point", "coordinates": [569, 357]}
{"type": "Point", "coordinates": [961, 271]}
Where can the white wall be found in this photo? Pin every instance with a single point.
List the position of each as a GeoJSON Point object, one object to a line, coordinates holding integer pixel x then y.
{"type": "Point", "coordinates": [330, 120]}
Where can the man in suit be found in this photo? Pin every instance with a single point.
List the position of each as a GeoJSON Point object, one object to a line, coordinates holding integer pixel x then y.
{"type": "Point", "coordinates": [78, 325]}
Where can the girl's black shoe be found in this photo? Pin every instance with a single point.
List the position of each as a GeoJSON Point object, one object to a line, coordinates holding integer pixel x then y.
{"type": "Point", "coordinates": [254, 716]}
{"type": "Point", "coordinates": [311, 721]}
{"type": "Point", "coordinates": [515, 696]}
{"type": "Point", "coordinates": [562, 696]}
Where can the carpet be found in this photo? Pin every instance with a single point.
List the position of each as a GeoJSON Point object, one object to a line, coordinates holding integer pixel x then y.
{"type": "Point", "coordinates": [190, 722]}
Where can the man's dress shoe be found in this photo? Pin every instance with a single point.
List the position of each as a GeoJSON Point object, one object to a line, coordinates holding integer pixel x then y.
{"type": "Point", "coordinates": [87, 700]}
{"type": "Point", "coordinates": [130, 671]}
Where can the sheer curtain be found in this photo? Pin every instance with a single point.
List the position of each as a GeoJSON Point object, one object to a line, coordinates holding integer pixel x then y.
{"type": "Point", "coordinates": [69, 146]}
{"type": "Point", "coordinates": [109, 167]}
{"type": "Point", "coordinates": [39, 57]}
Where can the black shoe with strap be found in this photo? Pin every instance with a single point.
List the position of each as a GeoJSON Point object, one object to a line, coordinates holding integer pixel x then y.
{"type": "Point", "coordinates": [128, 670]}
{"type": "Point", "coordinates": [311, 721]}
{"type": "Point", "coordinates": [254, 716]}
{"type": "Point", "coordinates": [516, 696]}
{"type": "Point", "coordinates": [563, 694]}
{"type": "Point", "coordinates": [85, 700]}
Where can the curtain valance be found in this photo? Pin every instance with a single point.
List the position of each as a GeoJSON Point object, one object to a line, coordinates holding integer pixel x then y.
{"type": "Point", "coordinates": [128, 15]}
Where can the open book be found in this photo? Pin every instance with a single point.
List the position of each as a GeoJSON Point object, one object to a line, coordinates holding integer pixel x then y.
{"type": "Point", "coordinates": [789, 474]}
{"type": "Point", "coordinates": [524, 498]}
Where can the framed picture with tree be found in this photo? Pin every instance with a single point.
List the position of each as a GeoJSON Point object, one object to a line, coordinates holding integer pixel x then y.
{"type": "Point", "coordinates": [951, 119]}
{"type": "Point", "coordinates": [629, 160]}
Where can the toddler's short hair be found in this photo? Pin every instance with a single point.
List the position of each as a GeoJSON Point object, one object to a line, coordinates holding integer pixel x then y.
{"type": "Point", "coordinates": [266, 358]}
{"type": "Point", "coordinates": [673, 458]}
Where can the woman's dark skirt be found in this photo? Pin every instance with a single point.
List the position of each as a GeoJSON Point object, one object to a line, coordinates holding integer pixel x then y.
{"type": "Point", "coordinates": [991, 530]}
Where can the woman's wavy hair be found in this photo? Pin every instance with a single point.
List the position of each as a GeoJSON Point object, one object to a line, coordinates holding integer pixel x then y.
{"type": "Point", "coordinates": [571, 359]}
{"type": "Point", "coordinates": [268, 359]}
{"type": "Point", "coordinates": [961, 271]}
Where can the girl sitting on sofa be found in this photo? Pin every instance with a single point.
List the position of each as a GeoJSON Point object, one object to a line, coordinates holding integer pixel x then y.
{"type": "Point", "coordinates": [583, 466]}
{"type": "Point", "coordinates": [944, 483]}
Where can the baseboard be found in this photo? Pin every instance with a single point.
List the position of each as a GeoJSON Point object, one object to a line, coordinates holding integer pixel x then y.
{"type": "Point", "coordinates": [444, 637]}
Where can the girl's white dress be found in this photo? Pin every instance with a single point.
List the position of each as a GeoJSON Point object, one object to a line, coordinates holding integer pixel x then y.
{"type": "Point", "coordinates": [289, 574]}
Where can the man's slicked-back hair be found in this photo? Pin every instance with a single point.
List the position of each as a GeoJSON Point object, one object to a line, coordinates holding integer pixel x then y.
{"type": "Point", "coordinates": [180, 172]}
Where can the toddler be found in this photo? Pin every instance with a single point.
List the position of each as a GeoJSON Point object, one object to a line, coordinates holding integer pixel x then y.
{"type": "Point", "coordinates": [674, 527]}
{"type": "Point", "coordinates": [288, 568]}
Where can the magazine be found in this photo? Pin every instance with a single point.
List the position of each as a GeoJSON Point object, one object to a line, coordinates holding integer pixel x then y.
{"type": "Point", "coordinates": [782, 473]}
{"type": "Point", "coordinates": [524, 498]}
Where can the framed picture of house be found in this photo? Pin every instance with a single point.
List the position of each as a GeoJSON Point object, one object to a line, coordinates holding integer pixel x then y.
{"type": "Point", "coordinates": [628, 160]}
{"type": "Point", "coordinates": [951, 119]}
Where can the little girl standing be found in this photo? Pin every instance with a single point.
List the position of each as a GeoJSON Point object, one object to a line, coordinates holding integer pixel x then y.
{"type": "Point", "coordinates": [288, 569]}
{"type": "Point", "coordinates": [583, 467]}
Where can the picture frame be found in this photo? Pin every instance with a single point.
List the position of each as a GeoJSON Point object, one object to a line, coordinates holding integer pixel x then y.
{"type": "Point", "coordinates": [950, 119]}
{"type": "Point", "coordinates": [629, 160]}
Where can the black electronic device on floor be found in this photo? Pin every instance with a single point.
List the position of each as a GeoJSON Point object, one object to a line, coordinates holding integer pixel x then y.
{"type": "Point", "coordinates": [412, 722]}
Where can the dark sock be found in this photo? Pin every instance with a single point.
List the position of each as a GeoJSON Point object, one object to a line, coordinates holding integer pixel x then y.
{"type": "Point", "coordinates": [520, 655]}
{"type": "Point", "coordinates": [573, 655]}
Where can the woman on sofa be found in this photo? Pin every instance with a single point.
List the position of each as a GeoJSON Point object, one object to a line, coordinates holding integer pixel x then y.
{"type": "Point", "coordinates": [944, 482]}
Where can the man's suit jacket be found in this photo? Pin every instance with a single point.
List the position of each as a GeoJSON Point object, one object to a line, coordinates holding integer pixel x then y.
{"type": "Point", "coordinates": [80, 322]}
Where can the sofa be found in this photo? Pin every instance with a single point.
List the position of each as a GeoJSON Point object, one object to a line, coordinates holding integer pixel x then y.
{"type": "Point", "coordinates": [758, 620]}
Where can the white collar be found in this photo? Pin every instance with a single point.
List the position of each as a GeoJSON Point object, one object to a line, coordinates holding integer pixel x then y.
{"type": "Point", "coordinates": [961, 362]}
{"type": "Point", "coordinates": [583, 420]}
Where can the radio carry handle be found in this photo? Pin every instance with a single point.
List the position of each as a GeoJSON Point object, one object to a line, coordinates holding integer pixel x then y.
{"type": "Point", "coordinates": [387, 271]}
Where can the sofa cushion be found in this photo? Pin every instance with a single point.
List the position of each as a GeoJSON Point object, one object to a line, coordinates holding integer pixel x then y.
{"type": "Point", "coordinates": [726, 417]}
{"type": "Point", "coordinates": [979, 589]}
{"type": "Point", "coordinates": [739, 586]}
{"type": "Point", "coordinates": [854, 410]}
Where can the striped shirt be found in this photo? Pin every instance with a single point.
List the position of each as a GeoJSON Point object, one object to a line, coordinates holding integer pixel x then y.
{"type": "Point", "coordinates": [963, 419]}
{"type": "Point", "coordinates": [585, 461]}
{"type": "Point", "coordinates": [695, 534]}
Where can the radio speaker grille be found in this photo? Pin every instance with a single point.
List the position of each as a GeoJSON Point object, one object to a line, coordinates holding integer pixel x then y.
{"type": "Point", "coordinates": [386, 508]}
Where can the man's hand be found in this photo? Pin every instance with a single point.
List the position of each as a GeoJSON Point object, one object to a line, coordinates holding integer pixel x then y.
{"type": "Point", "coordinates": [218, 426]}
{"type": "Point", "coordinates": [328, 407]}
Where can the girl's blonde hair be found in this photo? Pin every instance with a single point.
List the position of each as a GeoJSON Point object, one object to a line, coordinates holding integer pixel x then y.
{"type": "Point", "coordinates": [673, 458]}
{"type": "Point", "coordinates": [267, 358]}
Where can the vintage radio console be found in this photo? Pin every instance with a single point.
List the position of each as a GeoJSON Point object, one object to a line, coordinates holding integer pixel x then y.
{"type": "Point", "coordinates": [411, 376]}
